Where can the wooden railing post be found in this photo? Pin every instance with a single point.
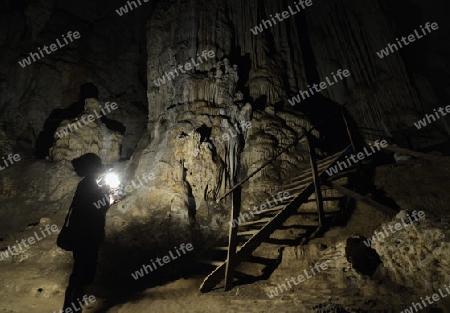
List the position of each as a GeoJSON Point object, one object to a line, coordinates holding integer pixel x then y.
{"type": "Point", "coordinates": [348, 130]}
{"type": "Point", "coordinates": [315, 175]}
{"type": "Point", "coordinates": [232, 238]}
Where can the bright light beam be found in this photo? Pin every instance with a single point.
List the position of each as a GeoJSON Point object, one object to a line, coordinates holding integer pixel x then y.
{"type": "Point", "coordinates": [112, 180]}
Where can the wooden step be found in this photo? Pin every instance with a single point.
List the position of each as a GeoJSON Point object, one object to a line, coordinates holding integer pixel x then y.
{"type": "Point", "coordinates": [263, 220]}
{"type": "Point", "coordinates": [274, 209]}
{"type": "Point", "coordinates": [282, 213]}
{"type": "Point", "coordinates": [220, 248]}
{"type": "Point", "coordinates": [322, 165]}
{"type": "Point", "coordinates": [316, 213]}
{"type": "Point", "coordinates": [304, 178]}
{"type": "Point", "coordinates": [210, 262]}
{"type": "Point", "coordinates": [225, 248]}
{"type": "Point", "coordinates": [248, 233]}
{"type": "Point", "coordinates": [250, 245]}
{"type": "Point", "coordinates": [343, 174]}
{"type": "Point", "coordinates": [297, 185]}
{"type": "Point", "coordinates": [313, 199]}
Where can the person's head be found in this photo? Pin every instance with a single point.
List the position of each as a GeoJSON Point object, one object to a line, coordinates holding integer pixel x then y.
{"type": "Point", "coordinates": [88, 90]}
{"type": "Point", "coordinates": [88, 164]}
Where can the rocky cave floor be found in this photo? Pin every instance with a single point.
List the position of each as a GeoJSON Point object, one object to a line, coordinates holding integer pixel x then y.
{"type": "Point", "coordinates": [418, 185]}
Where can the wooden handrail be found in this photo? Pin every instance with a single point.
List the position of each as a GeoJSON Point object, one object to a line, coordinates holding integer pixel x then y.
{"type": "Point", "coordinates": [278, 154]}
{"type": "Point", "coordinates": [259, 168]}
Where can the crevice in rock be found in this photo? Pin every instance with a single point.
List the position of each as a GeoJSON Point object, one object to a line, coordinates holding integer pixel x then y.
{"type": "Point", "coordinates": [365, 260]}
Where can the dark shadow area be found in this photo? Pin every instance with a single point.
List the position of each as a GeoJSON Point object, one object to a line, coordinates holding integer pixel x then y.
{"type": "Point", "coordinates": [205, 132]}
{"type": "Point", "coordinates": [260, 103]}
{"type": "Point", "coordinates": [271, 266]}
{"type": "Point", "coordinates": [113, 124]}
{"type": "Point", "coordinates": [364, 259]}
{"type": "Point", "coordinates": [407, 18]}
{"type": "Point", "coordinates": [325, 116]}
{"type": "Point", "coordinates": [244, 65]}
{"type": "Point", "coordinates": [117, 262]}
{"type": "Point", "coordinates": [364, 185]}
{"type": "Point", "coordinates": [322, 112]}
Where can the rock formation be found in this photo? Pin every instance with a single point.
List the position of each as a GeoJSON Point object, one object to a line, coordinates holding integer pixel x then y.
{"type": "Point", "coordinates": [86, 134]}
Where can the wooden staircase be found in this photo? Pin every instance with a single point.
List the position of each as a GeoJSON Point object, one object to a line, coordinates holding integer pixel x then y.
{"type": "Point", "coordinates": [301, 188]}
{"type": "Point", "coordinates": [304, 188]}
{"type": "Point", "coordinates": [264, 223]}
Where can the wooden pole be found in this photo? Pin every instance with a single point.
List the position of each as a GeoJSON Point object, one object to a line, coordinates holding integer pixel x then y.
{"type": "Point", "coordinates": [348, 131]}
{"type": "Point", "coordinates": [315, 175]}
{"type": "Point", "coordinates": [232, 239]}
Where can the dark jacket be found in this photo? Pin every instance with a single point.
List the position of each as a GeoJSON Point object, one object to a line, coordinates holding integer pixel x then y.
{"type": "Point", "coordinates": [89, 207]}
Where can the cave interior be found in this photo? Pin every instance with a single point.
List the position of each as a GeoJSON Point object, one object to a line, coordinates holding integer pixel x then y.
{"type": "Point", "coordinates": [269, 156]}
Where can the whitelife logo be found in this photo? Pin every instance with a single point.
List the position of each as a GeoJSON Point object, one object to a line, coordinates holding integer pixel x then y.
{"type": "Point", "coordinates": [319, 87]}
{"type": "Point", "coordinates": [274, 292]}
{"type": "Point", "coordinates": [423, 123]}
{"type": "Point", "coordinates": [187, 66]}
{"type": "Point", "coordinates": [369, 241]}
{"type": "Point", "coordinates": [31, 241]}
{"type": "Point", "coordinates": [360, 155]}
{"type": "Point", "coordinates": [435, 297]}
{"type": "Point", "coordinates": [284, 15]}
{"type": "Point", "coordinates": [35, 56]}
{"type": "Point", "coordinates": [123, 10]}
{"type": "Point", "coordinates": [406, 41]}
{"type": "Point", "coordinates": [140, 273]}
{"type": "Point", "coordinates": [87, 300]}
{"type": "Point", "coordinates": [243, 217]}
{"type": "Point", "coordinates": [90, 119]}
{"type": "Point", "coordinates": [10, 160]}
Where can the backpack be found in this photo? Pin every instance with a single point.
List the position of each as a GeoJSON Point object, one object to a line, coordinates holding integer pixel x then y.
{"type": "Point", "coordinates": [66, 239]}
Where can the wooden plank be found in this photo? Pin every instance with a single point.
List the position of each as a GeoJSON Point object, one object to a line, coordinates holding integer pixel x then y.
{"type": "Point", "coordinates": [220, 248]}
{"type": "Point", "coordinates": [274, 209]}
{"type": "Point", "coordinates": [348, 131]}
{"type": "Point", "coordinates": [337, 198]}
{"type": "Point", "coordinates": [232, 242]}
{"type": "Point", "coordinates": [210, 262]}
{"type": "Point", "coordinates": [260, 221]}
{"type": "Point", "coordinates": [294, 185]}
{"type": "Point", "coordinates": [315, 175]}
{"type": "Point", "coordinates": [364, 199]}
{"type": "Point", "coordinates": [247, 232]}
{"type": "Point", "coordinates": [306, 175]}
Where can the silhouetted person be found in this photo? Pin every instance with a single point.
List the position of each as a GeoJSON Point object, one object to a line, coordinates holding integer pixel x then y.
{"type": "Point", "coordinates": [87, 221]}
